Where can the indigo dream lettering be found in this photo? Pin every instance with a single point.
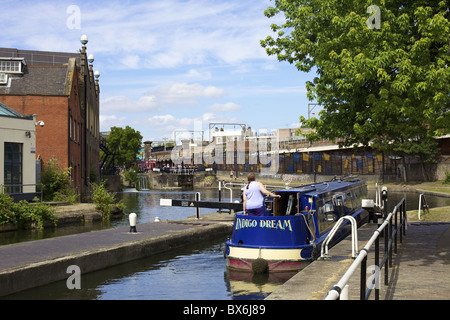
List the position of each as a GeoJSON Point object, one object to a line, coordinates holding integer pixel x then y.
{"type": "Point", "coordinates": [267, 224]}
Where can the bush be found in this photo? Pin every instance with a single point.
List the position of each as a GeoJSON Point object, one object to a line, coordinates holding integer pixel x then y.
{"type": "Point", "coordinates": [132, 175]}
{"type": "Point", "coordinates": [447, 178]}
{"type": "Point", "coordinates": [104, 200]}
{"type": "Point", "coordinates": [22, 214]}
{"type": "Point", "coordinates": [56, 183]}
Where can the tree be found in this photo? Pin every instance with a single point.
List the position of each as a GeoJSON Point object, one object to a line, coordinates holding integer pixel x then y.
{"type": "Point", "coordinates": [382, 71]}
{"type": "Point", "coordinates": [126, 143]}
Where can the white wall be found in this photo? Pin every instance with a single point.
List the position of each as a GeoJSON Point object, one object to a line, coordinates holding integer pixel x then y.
{"type": "Point", "coordinates": [13, 130]}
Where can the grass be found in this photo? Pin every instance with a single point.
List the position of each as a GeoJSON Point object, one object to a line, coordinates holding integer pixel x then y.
{"type": "Point", "coordinates": [441, 214]}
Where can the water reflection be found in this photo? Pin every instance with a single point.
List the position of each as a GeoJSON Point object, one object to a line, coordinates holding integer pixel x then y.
{"type": "Point", "coordinates": [249, 286]}
{"type": "Point", "coordinates": [146, 205]}
{"type": "Point", "coordinates": [193, 273]}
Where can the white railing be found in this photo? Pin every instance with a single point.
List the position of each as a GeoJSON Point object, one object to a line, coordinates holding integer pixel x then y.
{"type": "Point", "coordinates": [324, 250]}
{"type": "Point", "coordinates": [340, 290]}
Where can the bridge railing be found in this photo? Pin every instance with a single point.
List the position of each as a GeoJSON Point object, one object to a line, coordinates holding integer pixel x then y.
{"type": "Point", "coordinates": [393, 228]}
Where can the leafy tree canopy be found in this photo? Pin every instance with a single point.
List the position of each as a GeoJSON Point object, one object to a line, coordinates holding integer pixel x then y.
{"type": "Point", "coordinates": [126, 143]}
{"type": "Point", "coordinates": [382, 71]}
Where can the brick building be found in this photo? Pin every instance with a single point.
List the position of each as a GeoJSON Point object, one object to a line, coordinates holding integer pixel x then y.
{"type": "Point", "coordinates": [62, 90]}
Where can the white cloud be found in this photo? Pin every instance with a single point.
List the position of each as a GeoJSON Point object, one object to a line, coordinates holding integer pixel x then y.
{"type": "Point", "coordinates": [176, 94]}
{"type": "Point", "coordinates": [165, 125]}
{"type": "Point", "coordinates": [151, 34]}
{"type": "Point", "coordinates": [125, 105]}
{"type": "Point", "coordinates": [186, 93]}
{"type": "Point", "coordinates": [157, 57]}
{"type": "Point", "coordinates": [225, 107]}
{"type": "Point", "coordinates": [106, 122]}
{"type": "Point", "coordinates": [131, 61]}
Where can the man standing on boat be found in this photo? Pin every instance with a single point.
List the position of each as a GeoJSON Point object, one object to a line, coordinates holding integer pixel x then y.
{"type": "Point", "coordinates": [253, 196]}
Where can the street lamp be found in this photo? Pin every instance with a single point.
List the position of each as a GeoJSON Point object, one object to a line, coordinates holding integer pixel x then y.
{"type": "Point", "coordinates": [84, 39]}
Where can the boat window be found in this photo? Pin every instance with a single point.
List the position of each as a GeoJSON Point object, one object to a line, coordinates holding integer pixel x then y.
{"type": "Point", "coordinates": [326, 214]}
{"type": "Point", "coordinates": [339, 199]}
{"type": "Point", "coordinates": [349, 200]}
{"type": "Point", "coordinates": [289, 204]}
{"type": "Point", "coordinates": [286, 205]}
{"type": "Point", "coordinates": [328, 209]}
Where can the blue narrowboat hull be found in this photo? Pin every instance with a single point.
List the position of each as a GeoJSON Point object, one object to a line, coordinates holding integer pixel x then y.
{"type": "Point", "coordinates": [294, 226]}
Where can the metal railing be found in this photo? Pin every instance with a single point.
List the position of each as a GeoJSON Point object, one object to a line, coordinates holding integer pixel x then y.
{"type": "Point", "coordinates": [390, 245]}
{"type": "Point", "coordinates": [324, 250]}
{"type": "Point", "coordinates": [178, 171]}
{"type": "Point", "coordinates": [238, 185]}
{"type": "Point", "coordinates": [22, 195]}
{"type": "Point", "coordinates": [423, 205]}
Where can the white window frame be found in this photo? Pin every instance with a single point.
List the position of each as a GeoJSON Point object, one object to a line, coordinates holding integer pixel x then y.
{"type": "Point", "coordinates": [10, 66]}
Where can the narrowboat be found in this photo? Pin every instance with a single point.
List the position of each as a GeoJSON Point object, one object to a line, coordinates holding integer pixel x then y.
{"type": "Point", "coordinates": [294, 226]}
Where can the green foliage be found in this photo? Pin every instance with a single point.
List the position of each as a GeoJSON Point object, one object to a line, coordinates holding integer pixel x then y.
{"type": "Point", "coordinates": [126, 143]}
{"type": "Point", "coordinates": [93, 177]}
{"type": "Point", "coordinates": [22, 214]}
{"type": "Point", "coordinates": [56, 183]}
{"type": "Point", "coordinates": [447, 178]}
{"type": "Point", "coordinates": [388, 86]}
{"type": "Point", "coordinates": [104, 200]}
{"type": "Point", "coordinates": [132, 174]}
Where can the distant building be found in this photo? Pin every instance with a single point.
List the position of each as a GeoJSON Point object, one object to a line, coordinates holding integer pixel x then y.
{"type": "Point", "coordinates": [62, 90]}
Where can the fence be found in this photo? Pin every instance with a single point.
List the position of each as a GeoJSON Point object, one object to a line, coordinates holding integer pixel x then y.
{"type": "Point", "coordinates": [333, 162]}
{"type": "Point", "coordinates": [17, 191]}
{"type": "Point", "coordinates": [394, 229]}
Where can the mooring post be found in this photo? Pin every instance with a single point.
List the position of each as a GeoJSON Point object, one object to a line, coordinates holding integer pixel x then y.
{"type": "Point", "coordinates": [197, 198]}
{"type": "Point", "coordinates": [132, 218]}
{"type": "Point", "coordinates": [220, 194]}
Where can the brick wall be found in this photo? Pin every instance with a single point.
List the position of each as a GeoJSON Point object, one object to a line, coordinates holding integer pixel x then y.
{"type": "Point", "coordinates": [52, 139]}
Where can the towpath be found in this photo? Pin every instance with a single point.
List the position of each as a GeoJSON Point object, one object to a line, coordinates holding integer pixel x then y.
{"type": "Point", "coordinates": [421, 268]}
{"type": "Point", "coordinates": [33, 263]}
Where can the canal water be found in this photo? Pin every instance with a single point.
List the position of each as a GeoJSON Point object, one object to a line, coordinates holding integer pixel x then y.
{"type": "Point", "coordinates": [194, 273]}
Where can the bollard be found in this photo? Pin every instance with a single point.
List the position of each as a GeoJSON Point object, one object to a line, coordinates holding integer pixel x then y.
{"type": "Point", "coordinates": [220, 194]}
{"type": "Point", "coordinates": [197, 198]}
{"type": "Point", "coordinates": [132, 218]}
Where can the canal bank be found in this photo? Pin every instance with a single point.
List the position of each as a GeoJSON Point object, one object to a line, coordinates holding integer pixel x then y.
{"type": "Point", "coordinates": [34, 263]}
{"type": "Point", "coordinates": [67, 214]}
{"type": "Point", "coordinates": [419, 270]}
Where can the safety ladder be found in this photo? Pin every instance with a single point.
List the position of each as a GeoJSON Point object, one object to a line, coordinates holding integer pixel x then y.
{"type": "Point", "coordinates": [324, 250]}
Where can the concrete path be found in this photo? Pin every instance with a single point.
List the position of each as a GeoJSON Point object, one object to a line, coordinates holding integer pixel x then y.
{"type": "Point", "coordinates": [420, 271]}
{"type": "Point", "coordinates": [34, 263]}
{"type": "Point", "coordinates": [422, 265]}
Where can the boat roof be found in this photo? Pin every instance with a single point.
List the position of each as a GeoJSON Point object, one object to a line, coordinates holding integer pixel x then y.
{"type": "Point", "coordinates": [321, 187]}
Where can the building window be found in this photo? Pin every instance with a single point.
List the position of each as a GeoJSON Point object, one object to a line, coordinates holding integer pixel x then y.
{"type": "Point", "coordinates": [10, 66]}
{"type": "Point", "coordinates": [13, 167]}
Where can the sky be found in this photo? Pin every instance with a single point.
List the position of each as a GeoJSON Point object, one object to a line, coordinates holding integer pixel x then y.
{"type": "Point", "coordinates": [169, 66]}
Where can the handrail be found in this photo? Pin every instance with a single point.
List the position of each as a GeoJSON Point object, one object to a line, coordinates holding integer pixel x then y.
{"type": "Point", "coordinates": [423, 205]}
{"type": "Point", "coordinates": [23, 185]}
{"type": "Point", "coordinates": [324, 250]}
{"type": "Point", "coordinates": [390, 236]}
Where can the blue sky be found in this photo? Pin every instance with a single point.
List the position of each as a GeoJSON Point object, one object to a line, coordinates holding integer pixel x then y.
{"type": "Point", "coordinates": [166, 65]}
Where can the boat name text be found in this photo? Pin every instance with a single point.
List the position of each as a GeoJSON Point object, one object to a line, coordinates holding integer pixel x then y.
{"type": "Point", "coordinates": [268, 224]}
